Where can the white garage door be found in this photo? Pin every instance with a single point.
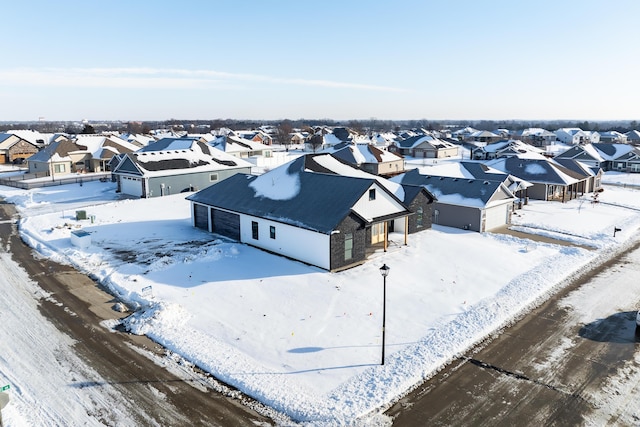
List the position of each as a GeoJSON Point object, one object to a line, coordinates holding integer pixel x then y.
{"type": "Point", "coordinates": [131, 186]}
{"type": "Point", "coordinates": [495, 217]}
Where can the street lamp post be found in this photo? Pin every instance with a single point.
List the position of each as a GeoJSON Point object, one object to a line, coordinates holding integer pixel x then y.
{"type": "Point", "coordinates": [384, 270]}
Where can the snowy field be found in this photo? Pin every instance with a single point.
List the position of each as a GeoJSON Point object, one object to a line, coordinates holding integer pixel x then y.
{"type": "Point", "coordinates": [304, 341]}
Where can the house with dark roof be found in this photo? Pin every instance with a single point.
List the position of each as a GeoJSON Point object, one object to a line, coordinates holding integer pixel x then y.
{"type": "Point", "coordinates": [551, 180]}
{"type": "Point", "coordinates": [425, 146]}
{"type": "Point", "coordinates": [633, 137]}
{"type": "Point", "coordinates": [54, 159]}
{"type": "Point", "coordinates": [471, 204]}
{"type": "Point", "coordinates": [419, 201]}
{"type": "Point", "coordinates": [608, 156]}
{"type": "Point", "coordinates": [174, 165]}
{"type": "Point", "coordinates": [323, 219]}
{"type": "Point", "coordinates": [86, 153]}
{"type": "Point", "coordinates": [15, 149]}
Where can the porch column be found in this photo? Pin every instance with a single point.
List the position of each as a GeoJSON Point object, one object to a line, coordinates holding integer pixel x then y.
{"type": "Point", "coordinates": [406, 229]}
{"type": "Point", "coordinates": [386, 231]}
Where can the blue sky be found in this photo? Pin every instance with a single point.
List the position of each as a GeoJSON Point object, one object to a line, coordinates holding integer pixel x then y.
{"type": "Point", "coordinates": [136, 60]}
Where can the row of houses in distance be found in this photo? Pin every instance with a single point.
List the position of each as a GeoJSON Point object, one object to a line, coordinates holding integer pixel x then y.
{"type": "Point", "coordinates": [333, 208]}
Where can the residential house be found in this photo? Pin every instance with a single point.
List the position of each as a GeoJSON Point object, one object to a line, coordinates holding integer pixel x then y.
{"type": "Point", "coordinates": [593, 174]}
{"type": "Point", "coordinates": [484, 137]}
{"type": "Point", "coordinates": [425, 146]}
{"type": "Point", "coordinates": [633, 137]}
{"type": "Point", "coordinates": [256, 136]}
{"type": "Point", "coordinates": [54, 159]}
{"type": "Point", "coordinates": [551, 180]}
{"type": "Point", "coordinates": [14, 149]}
{"type": "Point", "coordinates": [299, 138]}
{"type": "Point", "coordinates": [536, 137]}
{"type": "Point", "coordinates": [327, 220]}
{"type": "Point", "coordinates": [464, 134]}
{"type": "Point", "coordinates": [370, 159]}
{"type": "Point", "coordinates": [613, 137]}
{"type": "Point", "coordinates": [471, 204]}
{"type": "Point", "coordinates": [608, 156]}
{"type": "Point", "coordinates": [240, 147]}
{"type": "Point", "coordinates": [576, 136]}
{"type": "Point", "coordinates": [96, 151]}
{"type": "Point", "coordinates": [505, 148]}
{"type": "Point", "coordinates": [174, 165]}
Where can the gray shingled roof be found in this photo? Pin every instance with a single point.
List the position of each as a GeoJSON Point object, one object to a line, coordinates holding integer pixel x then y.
{"type": "Point", "coordinates": [323, 201]}
{"type": "Point", "coordinates": [443, 187]}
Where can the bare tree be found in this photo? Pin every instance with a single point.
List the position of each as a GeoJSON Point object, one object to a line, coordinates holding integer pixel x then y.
{"type": "Point", "coordinates": [316, 142]}
{"type": "Point", "coordinates": [283, 133]}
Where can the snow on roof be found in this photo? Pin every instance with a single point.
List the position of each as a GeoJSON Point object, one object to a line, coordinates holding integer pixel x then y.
{"type": "Point", "coordinates": [199, 157]}
{"type": "Point", "coordinates": [277, 184]}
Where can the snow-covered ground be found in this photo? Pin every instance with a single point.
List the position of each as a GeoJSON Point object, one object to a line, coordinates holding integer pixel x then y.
{"type": "Point", "coordinates": [304, 341]}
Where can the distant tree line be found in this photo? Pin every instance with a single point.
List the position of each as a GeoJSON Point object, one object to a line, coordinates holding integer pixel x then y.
{"type": "Point", "coordinates": [286, 126]}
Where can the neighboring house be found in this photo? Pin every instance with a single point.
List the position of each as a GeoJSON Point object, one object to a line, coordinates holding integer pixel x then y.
{"type": "Point", "coordinates": [477, 170]}
{"type": "Point", "coordinates": [633, 137]}
{"type": "Point", "coordinates": [95, 152]}
{"type": "Point", "coordinates": [551, 181]}
{"type": "Point", "coordinates": [536, 137]}
{"type": "Point", "coordinates": [614, 137]}
{"type": "Point", "coordinates": [383, 140]}
{"type": "Point", "coordinates": [464, 134]}
{"type": "Point", "coordinates": [174, 165]}
{"type": "Point", "coordinates": [14, 149]}
{"type": "Point", "coordinates": [593, 174]}
{"type": "Point", "coordinates": [576, 136]}
{"type": "Point", "coordinates": [505, 148]}
{"type": "Point", "coordinates": [54, 159]}
{"type": "Point", "coordinates": [240, 147]}
{"type": "Point", "coordinates": [425, 146]}
{"type": "Point", "coordinates": [484, 136]}
{"type": "Point", "coordinates": [471, 204]}
{"type": "Point", "coordinates": [370, 159]}
{"type": "Point", "coordinates": [323, 219]}
{"type": "Point", "coordinates": [256, 136]}
{"type": "Point", "coordinates": [299, 138]}
{"type": "Point", "coordinates": [608, 156]}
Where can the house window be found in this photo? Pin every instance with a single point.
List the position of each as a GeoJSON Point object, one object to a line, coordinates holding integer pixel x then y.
{"type": "Point", "coordinates": [58, 168]}
{"type": "Point", "coordinates": [254, 230]}
{"type": "Point", "coordinates": [348, 246]}
{"type": "Point", "coordinates": [419, 215]}
{"type": "Point", "coordinates": [213, 177]}
{"type": "Point", "coordinates": [372, 194]}
{"type": "Point", "coordinates": [272, 232]}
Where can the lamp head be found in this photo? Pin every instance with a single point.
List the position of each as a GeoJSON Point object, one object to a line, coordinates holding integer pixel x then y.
{"type": "Point", "coordinates": [384, 270]}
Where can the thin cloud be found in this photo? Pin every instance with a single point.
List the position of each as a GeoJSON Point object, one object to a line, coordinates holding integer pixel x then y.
{"type": "Point", "coordinates": [154, 78]}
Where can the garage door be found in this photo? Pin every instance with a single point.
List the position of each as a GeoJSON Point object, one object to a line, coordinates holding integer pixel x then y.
{"type": "Point", "coordinates": [200, 216]}
{"type": "Point", "coordinates": [131, 186]}
{"type": "Point", "coordinates": [496, 217]}
{"type": "Point", "coordinates": [226, 224]}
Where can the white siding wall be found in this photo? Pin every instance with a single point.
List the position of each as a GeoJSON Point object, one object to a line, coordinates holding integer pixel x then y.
{"type": "Point", "coordinates": [381, 206]}
{"type": "Point", "coordinates": [294, 242]}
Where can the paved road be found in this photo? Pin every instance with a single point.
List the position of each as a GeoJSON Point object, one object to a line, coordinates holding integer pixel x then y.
{"type": "Point", "coordinates": [572, 361]}
{"type": "Point", "coordinates": [112, 355]}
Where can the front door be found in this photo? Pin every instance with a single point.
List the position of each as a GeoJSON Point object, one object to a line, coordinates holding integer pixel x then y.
{"type": "Point", "coordinates": [377, 233]}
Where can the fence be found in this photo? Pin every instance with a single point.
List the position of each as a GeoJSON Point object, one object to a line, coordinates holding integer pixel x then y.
{"type": "Point", "coordinates": [26, 181]}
